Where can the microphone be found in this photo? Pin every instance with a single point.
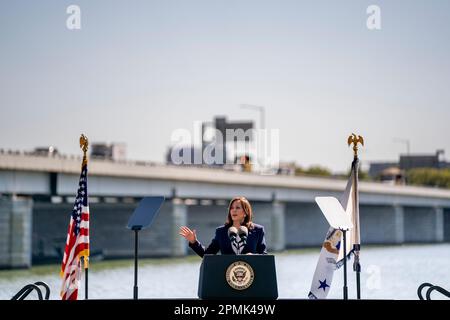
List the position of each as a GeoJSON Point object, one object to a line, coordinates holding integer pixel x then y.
{"type": "Point", "coordinates": [232, 233]}
{"type": "Point", "coordinates": [243, 233]}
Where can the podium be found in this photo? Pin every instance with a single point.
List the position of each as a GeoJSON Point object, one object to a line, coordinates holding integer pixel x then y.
{"type": "Point", "coordinates": [238, 277]}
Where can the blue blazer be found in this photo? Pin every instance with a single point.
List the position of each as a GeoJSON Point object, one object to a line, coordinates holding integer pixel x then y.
{"type": "Point", "coordinates": [256, 243]}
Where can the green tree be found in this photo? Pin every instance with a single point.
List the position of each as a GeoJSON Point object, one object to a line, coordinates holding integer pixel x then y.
{"type": "Point", "coordinates": [363, 175]}
{"type": "Point", "coordinates": [313, 171]}
{"type": "Point", "coordinates": [318, 171]}
{"type": "Point", "coordinates": [299, 171]}
{"type": "Point", "coordinates": [429, 177]}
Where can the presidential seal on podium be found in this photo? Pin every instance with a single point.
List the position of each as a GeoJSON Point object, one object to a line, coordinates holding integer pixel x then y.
{"type": "Point", "coordinates": [240, 275]}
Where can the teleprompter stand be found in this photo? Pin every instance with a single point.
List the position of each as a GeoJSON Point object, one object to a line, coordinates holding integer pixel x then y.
{"type": "Point", "coordinates": [142, 217]}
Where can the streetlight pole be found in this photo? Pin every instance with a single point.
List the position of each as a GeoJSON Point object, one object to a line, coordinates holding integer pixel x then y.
{"type": "Point", "coordinates": [405, 141]}
{"type": "Point", "coordinates": [262, 111]}
{"type": "Point", "coordinates": [408, 159]}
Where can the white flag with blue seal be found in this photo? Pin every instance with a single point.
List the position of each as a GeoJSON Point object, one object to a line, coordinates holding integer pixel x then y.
{"type": "Point", "coordinates": [332, 252]}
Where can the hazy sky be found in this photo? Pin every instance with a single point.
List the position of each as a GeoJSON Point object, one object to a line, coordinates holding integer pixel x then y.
{"type": "Point", "coordinates": [138, 70]}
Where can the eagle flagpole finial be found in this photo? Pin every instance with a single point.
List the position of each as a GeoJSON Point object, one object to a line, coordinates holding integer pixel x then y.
{"type": "Point", "coordinates": [84, 143]}
{"type": "Point", "coordinates": [355, 140]}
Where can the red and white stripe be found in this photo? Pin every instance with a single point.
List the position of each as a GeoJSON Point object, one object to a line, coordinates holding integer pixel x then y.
{"type": "Point", "coordinates": [76, 247]}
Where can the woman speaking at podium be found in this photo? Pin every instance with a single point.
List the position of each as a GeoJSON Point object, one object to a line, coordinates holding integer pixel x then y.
{"type": "Point", "coordinates": [239, 235]}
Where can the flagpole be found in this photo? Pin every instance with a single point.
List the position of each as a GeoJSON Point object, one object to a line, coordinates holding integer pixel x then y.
{"type": "Point", "coordinates": [344, 231]}
{"type": "Point", "coordinates": [86, 273]}
{"type": "Point", "coordinates": [84, 143]}
{"type": "Point", "coordinates": [136, 243]}
{"type": "Point", "coordinates": [357, 244]}
{"type": "Point", "coordinates": [356, 232]}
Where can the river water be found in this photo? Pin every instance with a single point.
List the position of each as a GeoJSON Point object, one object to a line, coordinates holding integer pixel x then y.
{"type": "Point", "coordinates": [389, 272]}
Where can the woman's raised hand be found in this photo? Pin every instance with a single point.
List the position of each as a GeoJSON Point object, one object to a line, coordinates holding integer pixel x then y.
{"type": "Point", "coordinates": [188, 234]}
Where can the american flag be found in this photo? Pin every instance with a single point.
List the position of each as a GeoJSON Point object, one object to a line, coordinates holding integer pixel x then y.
{"type": "Point", "coordinates": [77, 244]}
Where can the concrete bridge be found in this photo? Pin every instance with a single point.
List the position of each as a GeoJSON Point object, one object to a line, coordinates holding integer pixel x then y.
{"type": "Point", "coordinates": [37, 194]}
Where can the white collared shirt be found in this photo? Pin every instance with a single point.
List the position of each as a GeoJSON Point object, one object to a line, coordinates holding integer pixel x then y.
{"type": "Point", "coordinates": [237, 245]}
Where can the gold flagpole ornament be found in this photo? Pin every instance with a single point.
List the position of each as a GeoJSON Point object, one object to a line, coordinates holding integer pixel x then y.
{"type": "Point", "coordinates": [355, 140]}
{"type": "Point", "coordinates": [84, 143]}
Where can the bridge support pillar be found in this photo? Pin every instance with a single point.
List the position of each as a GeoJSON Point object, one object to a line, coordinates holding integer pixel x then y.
{"type": "Point", "coordinates": [272, 217]}
{"type": "Point", "coordinates": [399, 224]}
{"type": "Point", "coordinates": [278, 234]}
{"type": "Point", "coordinates": [15, 232]}
{"type": "Point", "coordinates": [179, 218]}
{"type": "Point", "coordinates": [439, 218]}
{"type": "Point", "coordinates": [424, 224]}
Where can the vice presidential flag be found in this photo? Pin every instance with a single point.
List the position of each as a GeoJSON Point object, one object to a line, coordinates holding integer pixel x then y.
{"type": "Point", "coordinates": [77, 244]}
{"type": "Point", "coordinates": [332, 253]}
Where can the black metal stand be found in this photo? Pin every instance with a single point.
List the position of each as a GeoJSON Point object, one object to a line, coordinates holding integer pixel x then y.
{"type": "Point", "coordinates": [135, 289]}
{"type": "Point", "coordinates": [357, 269]}
{"type": "Point", "coordinates": [86, 281]}
{"type": "Point", "coordinates": [358, 286]}
{"type": "Point", "coordinates": [345, 265]}
{"type": "Point", "coordinates": [141, 218]}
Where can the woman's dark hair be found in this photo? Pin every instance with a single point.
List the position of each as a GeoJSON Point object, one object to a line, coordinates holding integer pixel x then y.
{"type": "Point", "coordinates": [246, 206]}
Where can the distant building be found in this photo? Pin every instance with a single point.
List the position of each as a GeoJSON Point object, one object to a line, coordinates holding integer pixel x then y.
{"type": "Point", "coordinates": [392, 175]}
{"type": "Point", "coordinates": [395, 171]}
{"type": "Point", "coordinates": [45, 151]}
{"type": "Point", "coordinates": [114, 151]}
{"type": "Point", "coordinates": [376, 168]}
{"type": "Point", "coordinates": [408, 162]}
